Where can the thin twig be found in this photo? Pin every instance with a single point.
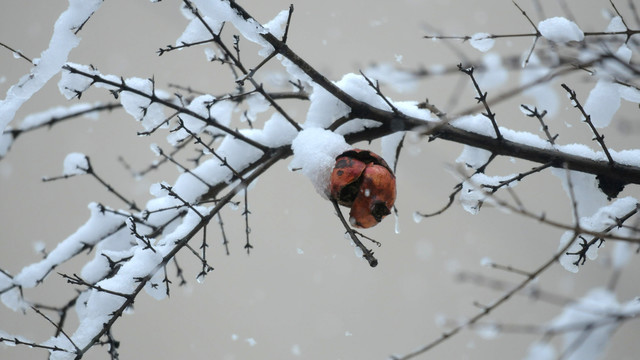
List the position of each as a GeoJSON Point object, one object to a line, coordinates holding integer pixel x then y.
{"type": "Point", "coordinates": [16, 52]}
{"type": "Point", "coordinates": [488, 309]}
{"type": "Point", "coordinates": [540, 115]}
{"type": "Point", "coordinates": [587, 119]}
{"type": "Point", "coordinates": [482, 98]}
{"type": "Point", "coordinates": [366, 253]}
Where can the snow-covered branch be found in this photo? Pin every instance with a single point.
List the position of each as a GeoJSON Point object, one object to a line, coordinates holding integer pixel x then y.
{"type": "Point", "coordinates": [252, 127]}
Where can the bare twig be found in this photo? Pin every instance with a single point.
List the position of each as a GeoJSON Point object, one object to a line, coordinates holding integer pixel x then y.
{"type": "Point", "coordinates": [540, 115]}
{"type": "Point", "coordinates": [587, 119]}
{"type": "Point", "coordinates": [488, 309]}
{"type": "Point", "coordinates": [16, 52]}
{"type": "Point", "coordinates": [366, 253]}
{"type": "Point", "coordinates": [482, 98]}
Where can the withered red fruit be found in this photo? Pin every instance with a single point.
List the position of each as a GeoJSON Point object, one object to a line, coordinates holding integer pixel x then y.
{"type": "Point", "coordinates": [364, 182]}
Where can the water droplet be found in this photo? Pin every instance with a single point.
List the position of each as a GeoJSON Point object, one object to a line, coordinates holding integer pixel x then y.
{"type": "Point", "coordinates": [359, 252]}
{"type": "Point", "coordinates": [486, 261]}
{"type": "Point", "coordinates": [397, 228]}
{"type": "Point", "coordinates": [300, 251]}
{"type": "Point", "coordinates": [39, 246]}
{"type": "Point", "coordinates": [417, 217]}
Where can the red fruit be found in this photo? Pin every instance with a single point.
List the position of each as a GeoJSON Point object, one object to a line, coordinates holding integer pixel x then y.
{"type": "Point", "coordinates": [364, 182]}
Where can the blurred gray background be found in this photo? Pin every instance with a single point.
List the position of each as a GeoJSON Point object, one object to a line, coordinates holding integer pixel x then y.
{"type": "Point", "coordinates": [302, 293]}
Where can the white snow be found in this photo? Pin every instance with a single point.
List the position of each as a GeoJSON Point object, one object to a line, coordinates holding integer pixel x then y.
{"type": "Point", "coordinates": [277, 25]}
{"type": "Point", "coordinates": [588, 197]}
{"type": "Point", "coordinates": [99, 305]}
{"type": "Point", "coordinates": [604, 99]}
{"type": "Point", "coordinates": [221, 11]}
{"type": "Point", "coordinates": [151, 114]}
{"type": "Point", "coordinates": [116, 246]}
{"type": "Point", "coordinates": [603, 102]}
{"type": "Point", "coordinates": [389, 146]}
{"type": "Point", "coordinates": [358, 87]}
{"type": "Point", "coordinates": [71, 84]}
{"type": "Point", "coordinates": [256, 104]}
{"type": "Point", "coordinates": [477, 123]}
{"type": "Point", "coordinates": [567, 261]}
{"type": "Point", "coordinates": [189, 222]}
{"type": "Point", "coordinates": [159, 189]}
{"type": "Point", "coordinates": [99, 225]}
{"type": "Point", "coordinates": [222, 112]}
{"type": "Point", "coordinates": [140, 107]}
{"type": "Point", "coordinates": [6, 139]}
{"type": "Point", "coordinates": [8, 336]}
{"type": "Point", "coordinates": [601, 219]}
{"type": "Point", "coordinates": [541, 351]}
{"type": "Point", "coordinates": [560, 30]}
{"type": "Point", "coordinates": [292, 69]}
{"type": "Point", "coordinates": [200, 105]}
{"type": "Point", "coordinates": [155, 149]}
{"type": "Point", "coordinates": [210, 53]}
{"type": "Point", "coordinates": [629, 93]}
{"type": "Point", "coordinates": [196, 31]}
{"type": "Point", "coordinates": [473, 194]}
{"type": "Point", "coordinates": [277, 131]}
{"type": "Point", "coordinates": [295, 350]}
{"type": "Point", "coordinates": [482, 41]}
{"type": "Point", "coordinates": [75, 164]}
{"type": "Point", "coordinates": [13, 298]}
{"type": "Point", "coordinates": [488, 331]}
{"type": "Point", "coordinates": [598, 307]}
{"type": "Point", "coordinates": [155, 287]}
{"type": "Point", "coordinates": [324, 108]}
{"type": "Point", "coordinates": [63, 40]}
{"type": "Point", "coordinates": [37, 119]}
{"type": "Point", "coordinates": [486, 261]}
{"type": "Point", "coordinates": [314, 152]}
{"type": "Point", "coordinates": [616, 25]}
{"type": "Point", "coordinates": [473, 156]}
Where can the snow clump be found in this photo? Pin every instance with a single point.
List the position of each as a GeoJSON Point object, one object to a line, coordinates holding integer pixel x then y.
{"type": "Point", "coordinates": [314, 153]}
{"type": "Point", "coordinates": [560, 30]}
{"type": "Point", "coordinates": [482, 41]}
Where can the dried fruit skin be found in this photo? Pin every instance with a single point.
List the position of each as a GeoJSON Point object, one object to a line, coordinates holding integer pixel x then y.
{"type": "Point", "coordinates": [376, 197]}
{"type": "Point", "coordinates": [363, 181]}
{"type": "Point", "coordinates": [346, 173]}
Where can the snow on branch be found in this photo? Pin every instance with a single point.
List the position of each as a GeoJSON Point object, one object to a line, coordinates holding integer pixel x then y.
{"type": "Point", "coordinates": [63, 40]}
{"type": "Point", "coordinates": [132, 250]}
